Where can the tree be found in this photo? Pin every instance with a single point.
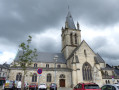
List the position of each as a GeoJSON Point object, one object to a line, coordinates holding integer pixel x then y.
{"type": "Point", "coordinates": [25, 60]}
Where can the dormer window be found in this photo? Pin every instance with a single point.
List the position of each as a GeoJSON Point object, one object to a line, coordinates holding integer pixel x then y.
{"type": "Point", "coordinates": [47, 65]}
{"type": "Point", "coordinates": [35, 65]}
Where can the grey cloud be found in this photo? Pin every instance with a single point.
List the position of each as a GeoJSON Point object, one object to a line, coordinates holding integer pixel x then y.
{"type": "Point", "coordinates": [31, 16]}
{"type": "Point", "coordinates": [19, 18]}
{"type": "Point", "coordinates": [47, 44]}
{"type": "Point", "coordinates": [106, 48]}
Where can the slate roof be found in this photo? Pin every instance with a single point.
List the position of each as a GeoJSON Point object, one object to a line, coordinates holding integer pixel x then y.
{"type": "Point", "coordinates": [45, 57]}
{"type": "Point", "coordinates": [70, 21]}
{"type": "Point", "coordinates": [6, 66]}
{"type": "Point", "coordinates": [116, 71]}
{"type": "Point", "coordinates": [98, 59]}
{"type": "Point", "coordinates": [108, 67]}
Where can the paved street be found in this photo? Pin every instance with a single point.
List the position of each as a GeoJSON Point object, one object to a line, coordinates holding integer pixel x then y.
{"type": "Point", "coordinates": [57, 89]}
{"type": "Point", "coordinates": [65, 89]}
{"type": "Point", "coordinates": [0, 87]}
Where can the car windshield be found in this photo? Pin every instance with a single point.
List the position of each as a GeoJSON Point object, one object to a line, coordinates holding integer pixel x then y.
{"type": "Point", "coordinates": [53, 84]}
{"type": "Point", "coordinates": [42, 84]}
{"type": "Point", "coordinates": [33, 84]}
{"type": "Point", "coordinates": [91, 87]}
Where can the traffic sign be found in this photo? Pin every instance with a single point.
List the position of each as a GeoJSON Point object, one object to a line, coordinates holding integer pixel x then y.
{"type": "Point", "coordinates": [39, 71]}
{"type": "Point", "coordinates": [112, 76]}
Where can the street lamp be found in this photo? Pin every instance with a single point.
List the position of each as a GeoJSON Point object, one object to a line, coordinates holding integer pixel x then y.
{"type": "Point", "coordinates": [55, 61]}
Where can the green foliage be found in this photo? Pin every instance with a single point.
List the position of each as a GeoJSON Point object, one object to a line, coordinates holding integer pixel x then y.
{"type": "Point", "coordinates": [15, 65]}
{"type": "Point", "coordinates": [27, 54]}
{"type": "Point", "coordinates": [25, 59]}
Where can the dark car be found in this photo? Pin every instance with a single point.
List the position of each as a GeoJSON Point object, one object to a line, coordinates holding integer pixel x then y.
{"type": "Point", "coordinates": [110, 87]}
{"type": "Point", "coordinates": [33, 86]}
{"type": "Point", "coordinates": [53, 86]}
{"type": "Point", "coordinates": [86, 86]}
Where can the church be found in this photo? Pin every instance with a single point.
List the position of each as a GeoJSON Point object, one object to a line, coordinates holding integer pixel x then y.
{"type": "Point", "coordinates": [76, 63]}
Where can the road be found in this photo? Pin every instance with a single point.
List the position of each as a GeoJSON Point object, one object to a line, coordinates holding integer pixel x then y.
{"type": "Point", "coordinates": [65, 89]}
{"type": "Point", "coordinates": [0, 87]}
{"type": "Point", "coordinates": [57, 89]}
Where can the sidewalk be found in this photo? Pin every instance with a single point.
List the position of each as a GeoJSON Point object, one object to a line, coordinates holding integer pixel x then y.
{"type": "Point", "coordinates": [0, 87]}
{"type": "Point", "coordinates": [64, 88]}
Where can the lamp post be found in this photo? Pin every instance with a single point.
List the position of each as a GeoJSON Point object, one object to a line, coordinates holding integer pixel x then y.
{"type": "Point", "coordinates": [55, 61]}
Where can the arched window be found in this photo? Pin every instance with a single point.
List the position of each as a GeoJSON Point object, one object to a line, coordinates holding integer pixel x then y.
{"type": "Point", "coordinates": [108, 82]}
{"type": "Point", "coordinates": [58, 66]}
{"type": "Point", "coordinates": [47, 65]}
{"type": "Point", "coordinates": [71, 38]}
{"type": "Point", "coordinates": [106, 73]}
{"type": "Point", "coordinates": [62, 76]}
{"type": "Point", "coordinates": [49, 77]}
{"type": "Point", "coordinates": [18, 77]}
{"type": "Point", "coordinates": [34, 77]}
{"type": "Point", "coordinates": [75, 38]}
{"type": "Point", "coordinates": [87, 73]}
{"type": "Point", "coordinates": [113, 73]}
{"type": "Point", "coordinates": [35, 65]}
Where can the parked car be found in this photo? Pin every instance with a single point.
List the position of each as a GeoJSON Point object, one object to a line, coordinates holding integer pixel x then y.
{"type": "Point", "coordinates": [110, 87]}
{"type": "Point", "coordinates": [42, 86]}
{"type": "Point", "coordinates": [86, 86]}
{"type": "Point", "coordinates": [9, 85]}
{"type": "Point", "coordinates": [53, 86]}
{"type": "Point", "coordinates": [33, 86]}
{"type": "Point", "coordinates": [18, 85]}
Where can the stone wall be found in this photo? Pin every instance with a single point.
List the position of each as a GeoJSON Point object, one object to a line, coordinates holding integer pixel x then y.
{"type": "Point", "coordinates": [43, 77]}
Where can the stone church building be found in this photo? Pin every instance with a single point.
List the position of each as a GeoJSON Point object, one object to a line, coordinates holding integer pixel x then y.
{"type": "Point", "coordinates": [76, 63]}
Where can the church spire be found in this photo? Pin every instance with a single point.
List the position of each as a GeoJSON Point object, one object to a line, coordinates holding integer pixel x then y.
{"type": "Point", "coordinates": [69, 21]}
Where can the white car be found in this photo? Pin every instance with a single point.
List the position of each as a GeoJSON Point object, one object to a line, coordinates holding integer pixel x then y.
{"type": "Point", "coordinates": [110, 87]}
{"type": "Point", "coordinates": [42, 86]}
{"type": "Point", "coordinates": [19, 85]}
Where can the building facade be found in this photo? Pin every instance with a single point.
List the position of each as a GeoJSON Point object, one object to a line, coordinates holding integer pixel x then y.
{"type": "Point", "coordinates": [4, 73]}
{"type": "Point", "coordinates": [76, 63]}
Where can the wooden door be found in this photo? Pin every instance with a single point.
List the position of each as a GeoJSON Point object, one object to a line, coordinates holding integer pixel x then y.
{"type": "Point", "coordinates": [62, 82]}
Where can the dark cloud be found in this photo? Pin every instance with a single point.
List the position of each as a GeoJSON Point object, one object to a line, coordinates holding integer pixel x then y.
{"type": "Point", "coordinates": [23, 17]}
{"type": "Point", "coordinates": [97, 13]}
{"type": "Point", "coordinates": [47, 44]}
{"type": "Point", "coordinates": [107, 48]}
{"type": "Point", "coordinates": [20, 18]}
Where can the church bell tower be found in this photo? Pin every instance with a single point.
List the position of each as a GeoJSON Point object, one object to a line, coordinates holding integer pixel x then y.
{"type": "Point", "coordinates": [71, 36]}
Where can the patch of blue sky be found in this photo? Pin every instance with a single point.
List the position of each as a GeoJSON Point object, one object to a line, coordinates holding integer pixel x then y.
{"type": "Point", "coordinates": [1, 52]}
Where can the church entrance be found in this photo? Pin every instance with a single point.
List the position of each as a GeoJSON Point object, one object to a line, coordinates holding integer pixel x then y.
{"type": "Point", "coordinates": [62, 82]}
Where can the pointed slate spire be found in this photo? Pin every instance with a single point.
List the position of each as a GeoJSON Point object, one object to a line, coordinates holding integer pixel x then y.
{"type": "Point", "coordinates": [69, 21]}
{"type": "Point", "coordinates": [78, 27]}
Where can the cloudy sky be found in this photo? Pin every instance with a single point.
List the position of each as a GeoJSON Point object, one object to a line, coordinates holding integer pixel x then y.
{"type": "Point", "coordinates": [43, 19]}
